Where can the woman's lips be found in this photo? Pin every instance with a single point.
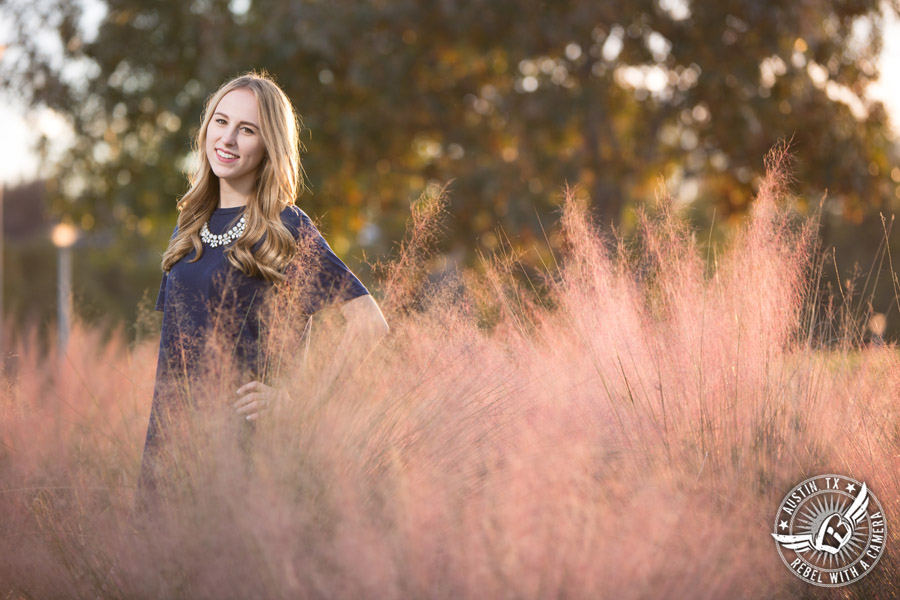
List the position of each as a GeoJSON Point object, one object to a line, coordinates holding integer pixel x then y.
{"type": "Point", "coordinates": [226, 157]}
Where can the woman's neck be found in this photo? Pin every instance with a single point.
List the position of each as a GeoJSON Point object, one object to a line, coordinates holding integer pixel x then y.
{"type": "Point", "coordinates": [232, 196]}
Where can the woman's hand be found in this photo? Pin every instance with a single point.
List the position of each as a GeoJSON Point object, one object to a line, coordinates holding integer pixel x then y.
{"type": "Point", "coordinates": [256, 396]}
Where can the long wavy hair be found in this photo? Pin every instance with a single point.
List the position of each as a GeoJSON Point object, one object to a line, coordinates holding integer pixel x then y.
{"type": "Point", "coordinates": [279, 180]}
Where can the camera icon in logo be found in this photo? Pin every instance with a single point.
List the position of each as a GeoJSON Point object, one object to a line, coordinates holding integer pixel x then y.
{"type": "Point", "coordinates": [834, 533]}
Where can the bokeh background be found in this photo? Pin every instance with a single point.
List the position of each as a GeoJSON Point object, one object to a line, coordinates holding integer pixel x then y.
{"type": "Point", "coordinates": [555, 421]}
{"type": "Point", "coordinates": [508, 101]}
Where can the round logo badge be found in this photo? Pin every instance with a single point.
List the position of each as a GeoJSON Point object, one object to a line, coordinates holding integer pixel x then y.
{"type": "Point", "coordinates": [830, 530]}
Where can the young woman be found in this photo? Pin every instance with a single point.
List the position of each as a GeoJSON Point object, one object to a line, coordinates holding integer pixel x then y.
{"type": "Point", "coordinates": [238, 231]}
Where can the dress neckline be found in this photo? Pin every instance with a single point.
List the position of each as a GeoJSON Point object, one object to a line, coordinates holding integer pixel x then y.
{"type": "Point", "coordinates": [228, 211]}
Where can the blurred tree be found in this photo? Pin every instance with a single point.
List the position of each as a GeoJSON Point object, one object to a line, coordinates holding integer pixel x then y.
{"type": "Point", "coordinates": [509, 99]}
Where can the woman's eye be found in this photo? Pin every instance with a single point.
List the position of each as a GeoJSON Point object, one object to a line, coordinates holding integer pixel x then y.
{"type": "Point", "coordinates": [248, 130]}
{"type": "Point", "coordinates": [220, 121]}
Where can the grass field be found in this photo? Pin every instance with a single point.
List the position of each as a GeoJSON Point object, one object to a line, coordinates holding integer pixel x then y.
{"type": "Point", "coordinates": [627, 433]}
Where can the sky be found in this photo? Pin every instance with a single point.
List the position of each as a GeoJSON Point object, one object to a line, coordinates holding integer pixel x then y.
{"type": "Point", "coordinates": [19, 162]}
{"type": "Point", "coordinates": [887, 89]}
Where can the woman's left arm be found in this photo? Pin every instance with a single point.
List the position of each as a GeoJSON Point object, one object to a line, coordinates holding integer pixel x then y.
{"type": "Point", "coordinates": [364, 320]}
{"type": "Point", "coordinates": [364, 328]}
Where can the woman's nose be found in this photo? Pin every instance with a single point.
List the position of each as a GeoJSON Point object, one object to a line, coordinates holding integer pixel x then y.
{"type": "Point", "coordinates": [230, 136]}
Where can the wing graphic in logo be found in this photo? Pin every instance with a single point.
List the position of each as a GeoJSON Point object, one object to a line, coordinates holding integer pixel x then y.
{"type": "Point", "coordinates": [833, 533]}
{"type": "Point", "coordinates": [798, 543]}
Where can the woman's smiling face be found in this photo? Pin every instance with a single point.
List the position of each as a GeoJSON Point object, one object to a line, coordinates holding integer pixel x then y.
{"type": "Point", "coordinates": [234, 146]}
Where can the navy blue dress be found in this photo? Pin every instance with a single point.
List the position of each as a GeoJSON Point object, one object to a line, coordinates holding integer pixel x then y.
{"type": "Point", "coordinates": [196, 297]}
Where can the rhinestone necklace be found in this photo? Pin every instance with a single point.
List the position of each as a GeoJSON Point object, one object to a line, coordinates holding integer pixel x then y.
{"type": "Point", "coordinates": [229, 236]}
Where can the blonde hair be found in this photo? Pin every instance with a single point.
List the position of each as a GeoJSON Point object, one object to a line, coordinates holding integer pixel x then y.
{"type": "Point", "coordinates": [279, 180]}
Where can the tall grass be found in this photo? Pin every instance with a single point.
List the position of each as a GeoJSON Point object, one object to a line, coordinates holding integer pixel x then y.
{"type": "Point", "coordinates": [628, 432]}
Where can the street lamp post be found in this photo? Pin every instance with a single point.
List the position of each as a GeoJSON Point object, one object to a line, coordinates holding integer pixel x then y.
{"type": "Point", "coordinates": [63, 236]}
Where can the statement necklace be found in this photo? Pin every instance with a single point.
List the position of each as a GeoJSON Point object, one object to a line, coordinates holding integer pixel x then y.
{"type": "Point", "coordinates": [229, 236]}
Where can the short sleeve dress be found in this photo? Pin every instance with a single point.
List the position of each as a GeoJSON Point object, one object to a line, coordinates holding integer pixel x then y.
{"type": "Point", "coordinates": [195, 297]}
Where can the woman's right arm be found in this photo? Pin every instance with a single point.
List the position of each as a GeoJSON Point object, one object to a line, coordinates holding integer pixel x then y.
{"type": "Point", "coordinates": [161, 298]}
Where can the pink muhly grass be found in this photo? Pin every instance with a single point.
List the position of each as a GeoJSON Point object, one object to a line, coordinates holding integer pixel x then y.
{"type": "Point", "coordinates": [627, 435]}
